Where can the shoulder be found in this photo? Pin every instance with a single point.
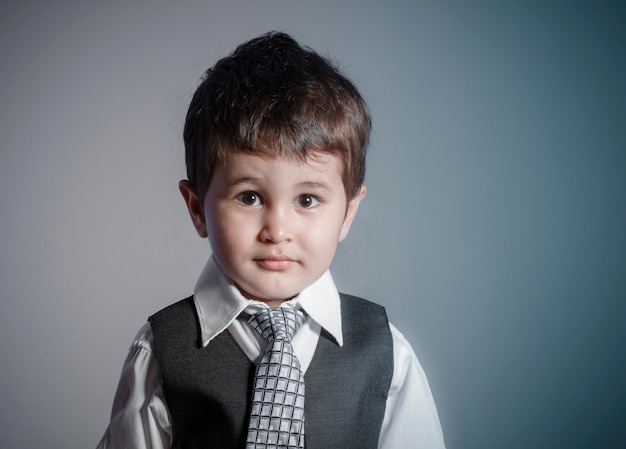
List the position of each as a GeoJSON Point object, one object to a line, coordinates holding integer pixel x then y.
{"type": "Point", "coordinates": [140, 359]}
{"type": "Point", "coordinates": [144, 340]}
{"type": "Point", "coordinates": [404, 356]}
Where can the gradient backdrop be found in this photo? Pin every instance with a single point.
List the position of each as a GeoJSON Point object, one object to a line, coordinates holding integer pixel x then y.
{"type": "Point", "coordinates": [493, 232]}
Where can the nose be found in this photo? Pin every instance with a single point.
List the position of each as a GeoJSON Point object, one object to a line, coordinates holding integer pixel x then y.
{"type": "Point", "coordinates": [277, 225]}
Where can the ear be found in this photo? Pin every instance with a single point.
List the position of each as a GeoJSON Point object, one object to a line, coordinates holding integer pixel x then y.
{"type": "Point", "coordinates": [353, 206]}
{"type": "Point", "coordinates": [194, 205]}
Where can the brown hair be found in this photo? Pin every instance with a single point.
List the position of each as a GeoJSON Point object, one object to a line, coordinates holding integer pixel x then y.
{"type": "Point", "coordinates": [272, 96]}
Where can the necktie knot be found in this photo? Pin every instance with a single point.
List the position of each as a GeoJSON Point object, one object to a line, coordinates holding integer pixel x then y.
{"type": "Point", "coordinates": [277, 323]}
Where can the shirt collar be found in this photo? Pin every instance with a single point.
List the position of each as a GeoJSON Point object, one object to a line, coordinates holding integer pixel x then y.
{"type": "Point", "coordinates": [219, 303]}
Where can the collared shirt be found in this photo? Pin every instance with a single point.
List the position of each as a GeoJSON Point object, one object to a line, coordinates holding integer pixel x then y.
{"type": "Point", "coordinates": [140, 419]}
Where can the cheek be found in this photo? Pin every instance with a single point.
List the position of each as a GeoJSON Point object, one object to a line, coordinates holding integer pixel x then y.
{"type": "Point", "coordinates": [231, 234]}
{"type": "Point", "coordinates": [221, 233]}
{"type": "Point", "coordinates": [324, 235]}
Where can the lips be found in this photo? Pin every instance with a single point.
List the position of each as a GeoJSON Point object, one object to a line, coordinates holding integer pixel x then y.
{"type": "Point", "coordinates": [275, 263]}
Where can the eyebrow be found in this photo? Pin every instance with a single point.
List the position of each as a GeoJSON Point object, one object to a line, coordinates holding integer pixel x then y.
{"type": "Point", "coordinates": [243, 180]}
{"type": "Point", "coordinates": [313, 185]}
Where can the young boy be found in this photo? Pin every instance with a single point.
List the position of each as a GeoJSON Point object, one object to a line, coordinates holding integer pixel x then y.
{"type": "Point", "coordinates": [275, 142]}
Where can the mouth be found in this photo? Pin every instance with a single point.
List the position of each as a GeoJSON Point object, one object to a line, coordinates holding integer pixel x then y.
{"type": "Point", "coordinates": [275, 263]}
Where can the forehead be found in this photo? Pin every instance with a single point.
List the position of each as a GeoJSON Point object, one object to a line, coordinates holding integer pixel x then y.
{"type": "Point", "coordinates": [318, 165]}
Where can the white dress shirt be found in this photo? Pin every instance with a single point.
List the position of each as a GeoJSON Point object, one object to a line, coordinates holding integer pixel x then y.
{"type": "Point", "coordinates": [140, 419]}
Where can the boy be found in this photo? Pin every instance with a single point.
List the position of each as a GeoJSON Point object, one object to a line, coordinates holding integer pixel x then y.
{"type": "Point", "coordinates": [267, 353]}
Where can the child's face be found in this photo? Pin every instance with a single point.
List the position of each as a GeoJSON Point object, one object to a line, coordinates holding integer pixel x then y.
{"type": "Point", "coordinates": [274, 223]}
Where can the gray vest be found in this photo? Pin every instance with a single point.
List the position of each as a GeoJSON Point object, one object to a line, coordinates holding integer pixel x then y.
{"type": "Point", "coordinates": [207, 389]}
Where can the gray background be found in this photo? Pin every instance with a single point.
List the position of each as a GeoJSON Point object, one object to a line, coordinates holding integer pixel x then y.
{"type": "Point", "coordinates": [493, 231]}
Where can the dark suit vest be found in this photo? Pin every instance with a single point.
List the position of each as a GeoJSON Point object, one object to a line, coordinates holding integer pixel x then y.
{"type": "Point", "coordinates": [207, 389]}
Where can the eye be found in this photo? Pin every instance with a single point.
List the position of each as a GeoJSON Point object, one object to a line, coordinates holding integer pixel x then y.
{"type": "Point", "coordinates": [249, 198]}
{"type": "Point", "coordinates": [307, 201]}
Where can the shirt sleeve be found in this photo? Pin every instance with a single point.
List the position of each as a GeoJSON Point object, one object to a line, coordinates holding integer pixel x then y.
{"type": "Point", "coordinates": [411, 419]}
{"type": "Point", "coordinates": [139, 417]}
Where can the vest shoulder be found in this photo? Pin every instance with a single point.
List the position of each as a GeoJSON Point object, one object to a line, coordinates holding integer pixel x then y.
{"type": "Point", "coordinates": [357, 304]}
{"type": "Point", "coordinates": [363, 319]}
{"type": "Point", "coordinates": [180, 310]}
